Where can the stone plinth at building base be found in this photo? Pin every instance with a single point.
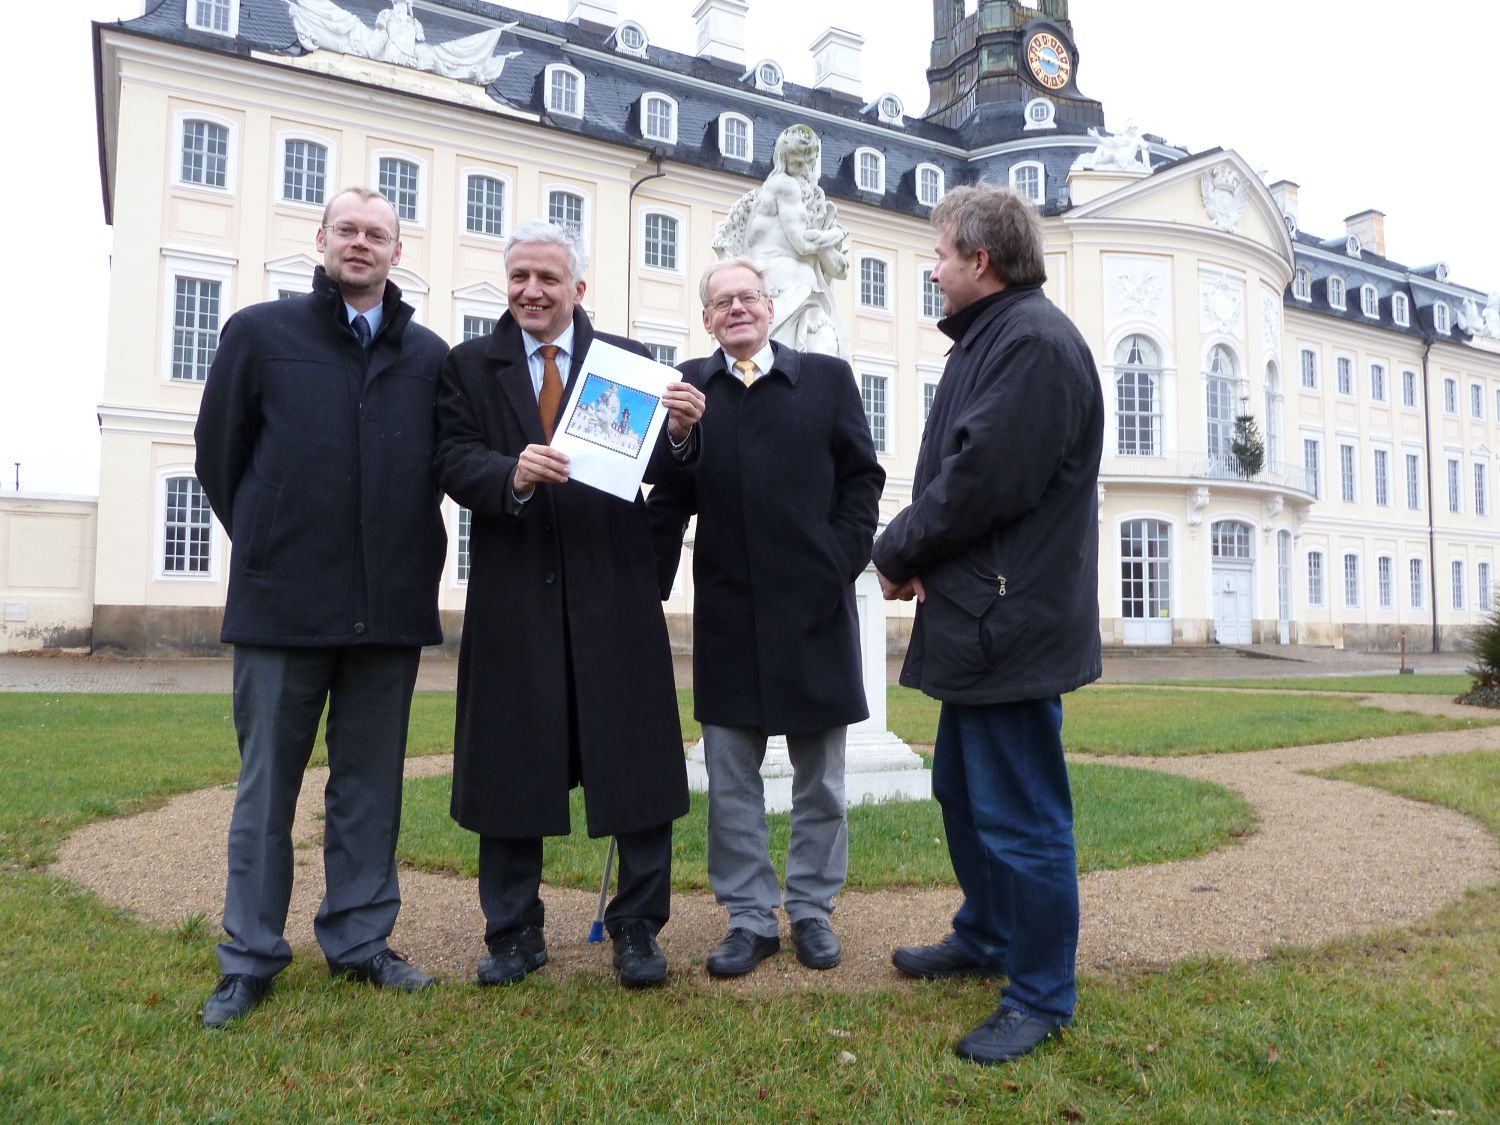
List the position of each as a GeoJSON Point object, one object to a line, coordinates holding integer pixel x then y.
{"type": "Point", "coordinates": [877, 767]}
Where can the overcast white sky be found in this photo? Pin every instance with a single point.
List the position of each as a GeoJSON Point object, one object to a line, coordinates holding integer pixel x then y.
{"type": "Point", "coordinates": [1346, 97]}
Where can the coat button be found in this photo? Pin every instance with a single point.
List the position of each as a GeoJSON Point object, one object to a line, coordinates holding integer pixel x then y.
{"type": "Point", "coordinates": [359, 628]}
{"type": "Point", "coordinates": [550, 578]}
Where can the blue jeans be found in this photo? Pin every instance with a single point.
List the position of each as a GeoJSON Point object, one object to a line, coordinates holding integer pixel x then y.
{"type": "Point", "coordinates": [999, 775]}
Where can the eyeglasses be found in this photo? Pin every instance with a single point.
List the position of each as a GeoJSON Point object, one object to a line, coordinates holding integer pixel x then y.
{"type": "Point", "coordinates": [750, 298]}
{"type": "Point", "coordinates": [373, 235]}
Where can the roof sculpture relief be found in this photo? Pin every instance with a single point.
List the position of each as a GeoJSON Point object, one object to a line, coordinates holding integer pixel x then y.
{"type": "Point", "coordinates": [398, 37]}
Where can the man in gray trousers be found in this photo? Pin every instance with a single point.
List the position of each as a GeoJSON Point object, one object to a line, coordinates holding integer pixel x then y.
{"type": "Point", "coordinates": [787, 493]}
{"type": "Point", "coordinates": [315, 447]}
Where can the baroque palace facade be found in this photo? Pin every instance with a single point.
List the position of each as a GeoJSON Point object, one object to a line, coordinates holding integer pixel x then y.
{"type": "Point", "coordinates": [1374, 387]}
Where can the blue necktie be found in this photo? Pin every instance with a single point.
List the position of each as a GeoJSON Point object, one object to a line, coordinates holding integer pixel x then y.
{"type": "Point", "coordinates": [361, 328]}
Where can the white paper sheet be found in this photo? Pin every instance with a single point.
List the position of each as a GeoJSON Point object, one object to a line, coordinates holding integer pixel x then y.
{"type": "Point", "coordinates": [613, 415]}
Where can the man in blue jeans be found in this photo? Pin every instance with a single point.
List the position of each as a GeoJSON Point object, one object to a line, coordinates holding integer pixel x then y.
{"type": "Point", "coordinates": [999, 547]}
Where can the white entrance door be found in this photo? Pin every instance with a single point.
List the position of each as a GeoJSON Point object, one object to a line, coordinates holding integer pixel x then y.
{"type": "Point", "coordinates": [1232, 605]}
{"type": "Point", "coordinates": [1146, 582]}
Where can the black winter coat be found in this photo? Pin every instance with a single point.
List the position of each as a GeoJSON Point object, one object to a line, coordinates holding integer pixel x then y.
{"type": "Point", "coordinates": [1003, 526]}
{"type": "Point", "coordinates": [787, 494]}
{"type": "Point", "coordinates": [564, 652]}
{"type": "Point", "coordinates": [316, 455]}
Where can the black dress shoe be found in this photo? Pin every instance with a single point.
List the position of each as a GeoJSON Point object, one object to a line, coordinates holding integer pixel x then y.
{"type": "Point", "coordinates": [637, 956]}
{"type": "Point", "coordinates": [945, 959]}
{"type": "Point", "coordinates": [234, 997]}
{"type": "Point", "coordinates": [1007, 1034]}
{"type": "Point", "coordinates": [740, 952]}
{"type": "Point", "coordinates": [514, 955]}
{"type": "Point", "coordinates": [387, 969]}
{"type": "Point", "coordinates": [817, 945]}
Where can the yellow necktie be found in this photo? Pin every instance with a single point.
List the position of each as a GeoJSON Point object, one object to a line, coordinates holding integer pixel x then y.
{"type": "Point", "coordinates": [746, 368]}
{"type": "Point", "coordinates": [550, 397]}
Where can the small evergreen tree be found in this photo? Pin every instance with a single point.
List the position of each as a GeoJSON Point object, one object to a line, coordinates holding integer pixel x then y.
{"type": "Point", "coordinates": [1248, 449]}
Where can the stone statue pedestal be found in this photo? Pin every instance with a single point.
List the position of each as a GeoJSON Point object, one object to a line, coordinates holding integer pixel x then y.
{"type": "Point", "coordinates": [878, 766]}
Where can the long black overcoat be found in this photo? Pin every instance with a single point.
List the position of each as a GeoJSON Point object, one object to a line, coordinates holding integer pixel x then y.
{"type": "Point", "coordinates": [316, 455]}
{"type": "Point", "coordinates": [787, 494]}
{"type": "Point", "coordinates": [564, 642]}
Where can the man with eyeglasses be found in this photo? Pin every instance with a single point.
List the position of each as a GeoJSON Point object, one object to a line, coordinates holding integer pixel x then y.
{"type": "Point", "coordinates": [315, 443]}
{"type": "Point", "coordinates": [787, 493]}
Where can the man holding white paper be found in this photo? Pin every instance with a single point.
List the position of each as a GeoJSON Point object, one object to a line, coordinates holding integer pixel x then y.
{"type": "Point", "coordinates": [565, 673]}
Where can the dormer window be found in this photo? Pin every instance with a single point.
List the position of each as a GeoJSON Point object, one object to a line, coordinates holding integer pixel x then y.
{"type": "Point", "coordinates": [1335, 292]}
{"type": "Point", "coordinates": [1351, 246]}
{"type": "Point", "coordinates": [630, 39]}
{"type": "Point", "coordinates": [659, 118]}
{"type": "Point", "coordinates": [222, 17]}
{"type": "Point", "coordinates": [869, 170]}
{"type": "Point", "coordinates": [1369, 300]}
{"type": "Point", "coordinates": [1029, 180]}
{"type": "Point", "coordinates": [735, 136]}
{"type": "Point", "coordinates": [1040, 114]}
{"type": "Point", "coordinates": [1401, 310]}
{"type": "Point", "coordinates": [929, 184]}
{"type": "Point", "coordinates": [768, 76]}
{"type": "Point", "coordinates": [1442, 318]}
{"type": "Point", "coordinates": [564, 90]}
{"type": "Point", "coordinates": [887, 108]}
{"type": "Point", "coordinates": [1302, 285]}
{"type": "Point", "coordinates": [1289, 221]}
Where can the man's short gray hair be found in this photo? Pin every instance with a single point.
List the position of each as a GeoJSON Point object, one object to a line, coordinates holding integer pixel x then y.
{"type": "Point", "coordinates": [999, 221]}
{"type": "Point", "coordinates": [739, 261]}
{"type": "Point", "coordinates": [539, 230]}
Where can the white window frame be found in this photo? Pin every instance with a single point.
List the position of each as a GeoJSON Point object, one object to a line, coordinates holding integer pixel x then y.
{"type": "Point", "coordinates": [462, 545]}
{"type": "Point", "coordinates": [278, 172]}
{"type": "Point", "coordinates": [1442, 317]}
{"type": "Point", "coordinates": [1041, 180]}
{"type": "Point", "coordinates": [1481, 493]}
{"type": "Point", "coordinates": [1401, 310]}
{"type": "Point", "coordinates": [1385, 582]}
{"type": "Point", "coordinates": [1476, 400]}
{"type": "Point", "coordinates": [423, 182]}
{"type": "Point", "coordinates": [1379, 383]}
{"type": "Point", "coordinates": [507, 207]}
{"type": "Point", "coordinates": [1304, 369]}
{"type": "Point", "coordinates": [725, 119]}
{"type": "Point", "coordinates": [231, 150]}
{"type": "Point", "coordinates": [190, 15]}
{"type": "Point", "coordinates": [1343, 365]}
{"type": "Point", "coordinates": [662, 333]}
{"type": "Point", "coordinates": [628, 27]}
{"type": "Point", "coordinates": [669, 137]}
{"type": "Point", "coordinates": [1316, 596]}
{"type": "Point", "coordinates": [1336, 284]}
{"type": "Point", "coordinates": [655, 209]}
{"type": "Point", "coordinates": [164, 474]}
{"type": "Point", "coordinates": [881, 367]}
{"type": "Point", "coordinates": [1412, 477]}
{"type": "Point", "coordinates": [1048, 121]}
{"type": "Point", "coordinates": [888, 109]}
{"type": "Point", "coordinates": [764, 84]}
{"type": "Point", "coordinates": [1348, 472]}
{"type": "Point", "coordinates": [1457, 577]}
{"type": "Point", "coordinates": [882, 440]}
{"type": "Point", "coordinates": [886, 286]}
{"type": "Point", "coordinates": [1312, 474]}
{"type": "Point", "coordinates": [942, 184]}
{"type": "Point", "coordinates": [585, 222]}
{"type": "Point", "coordinates": [1455, 481]}
{"type": "Point", "coordinates": [1416, 581]}
{"type": "Point", "coordinates": [1369, 301]}
{"type": "Point", "coordinates": [485, 300]}
{"type": "Point", "coordinates": [927, 376]}
{"type": "Point", "coordinates": [1353, 579]}
{"type": "Point", "coordinates": [1484, 589]}
{"type": "Point", "coordinates": [547, 94]}
{"type": "Point", "coordinates": [181, 262]}
{"type": "Point", "coordinates": [1450, 395]}
{"type": "Point", "coordinates": [924, 277]}
{"type": "Point", "coordinates": [878, 187]}
{"type": "Point", "coordinates": [292, 272]}
{"type": "Point", "coordinates": [1302, 284]}
{"type": "Point", "coordinates": [1409, 384]}
{"type": "Point", "coordinates": [1380, 478]}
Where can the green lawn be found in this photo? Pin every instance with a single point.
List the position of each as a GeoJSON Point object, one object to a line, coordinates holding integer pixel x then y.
{"type": "Point", "coordinates": [100, 1013]}
{"type": "Point", "coordinates": [1417, 684]}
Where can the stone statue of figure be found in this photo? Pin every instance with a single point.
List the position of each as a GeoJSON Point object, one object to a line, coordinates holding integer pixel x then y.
{"type": "Point", "coordinates": [1491, 316]}
{"type": "Point", "coordinates": [789, 229]}
{"type": "Point", "coordinates": [398, 38]}
{"type": "Point", "coordinates": [1117, 152]}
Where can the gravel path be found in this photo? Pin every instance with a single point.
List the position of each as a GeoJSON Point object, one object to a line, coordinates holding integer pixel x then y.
{"type": "Point", "coordinates": [1329, 859]}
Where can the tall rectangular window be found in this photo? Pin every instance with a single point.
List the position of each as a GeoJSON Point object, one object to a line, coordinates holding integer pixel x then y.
{"type": "Point", "coordinates": [1408, 388]}
{"type": "Point", "coordinates": [304, 172]}
{"type": "Point", "coordinates": [1455, 493]}
{"type": "Point", "coordinates": [660, 120]}
{"type": "Point", "coordinates": [929, 186]}
{"type": "Point", "coordinates": [205, 154]}
{"type": "Point", "coordinates": [563, 93]}
{"type": "Point", "coordinates": [1450, 395]}
{"type": "Point", "coordinates": [929, 393]}
{"type": "Point", "coordinates": [1476, 400]}
{"type": "Point", "coordinates": [195, 327]}
{"type": "Point", "coordinates": [1377, 382]}
{"type": "Point", "coordinates": [735, 132]}
{"type": "Point", "coordinates": [399, 182]}
{"type": "Point", "coordinates": [1309, 368]}
{"type": "Point", "coordinates": [872, 276]}
{"type": "Point", "coordinates": [1351, 581]}
{"type": "Point", "coordinates": [661, 242]}
{"type": "Point", "coordinates": [1345, 367]}
{"type": "Point", "coordinates": [465, 535]}
{"type": "Point", "coordinates": [1382, 478]}
{"type": "Point", "coordinates": [1310, 465]}
{"type": "Point", "coordinates": [485, 213]}
{"type": "Point", "coordinates": [186, 528]}
{"type": "Point", "coordinates": [1483, 591]}
{"type": "Point", "coordinates": [872, 391]}
{"type": "Point", "coordinates": [477, 326]}
{"type": "Point", "coordinates": [564, 209]}
{"type": "Point", "coordinates": [1418, 583]}
{"type": "Point", "coordinates": [1346, 473]}
{"type": "Point", "coordinates": [1383, 580]}
{"type": "Point", "coordinates": [1314, 577]}
{"type": "Point", "coordinates": [1413, 481]}
{"type": "Point", "coordinates": [1481, 478]}
{"type": "Point", "coordinates": [1457, 568]}
{"type": "Point", "coordinates": [932, 297]}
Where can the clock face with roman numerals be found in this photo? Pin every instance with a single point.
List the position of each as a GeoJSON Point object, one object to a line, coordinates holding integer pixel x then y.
{"type": "Point", "coordinates": [1050, 62]}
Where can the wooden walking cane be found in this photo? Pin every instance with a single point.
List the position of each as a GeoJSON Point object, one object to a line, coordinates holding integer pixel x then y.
{"type": "Point", "coordinates": [596, 931]}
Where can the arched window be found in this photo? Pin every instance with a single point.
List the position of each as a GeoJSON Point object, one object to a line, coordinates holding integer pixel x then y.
{"type": "Point", "coordinates": [1273, 413]}
{"type": "Point", "coordinates": [1219, 385]}
{"type": "Point", "coordinates": [1137, 398]}
{"type": "Point", "coordinates": [1029, 179]}
{"type": "Point", "coordinates": [563, 88]}
{"type": "Point", "coordinates": [1302, 284]}
{"type": "Point", "coordinates": [1231, 540]}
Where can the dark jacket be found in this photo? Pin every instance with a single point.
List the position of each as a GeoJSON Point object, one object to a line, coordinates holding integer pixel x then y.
{"type": "Point", "coordinates": [564, 652]}
{"type": "Point", "coordinates": [1003, 527]}
{"type": "Point", "coordinates": [316, 455]}
{"type": "Point", "coordinates": [787, 494]}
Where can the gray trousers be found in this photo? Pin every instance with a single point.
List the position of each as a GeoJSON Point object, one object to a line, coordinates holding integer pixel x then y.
{"type": "Point", "coordinates": [279, 694]}
{"type": "Point", "coordinates": [739, 861]}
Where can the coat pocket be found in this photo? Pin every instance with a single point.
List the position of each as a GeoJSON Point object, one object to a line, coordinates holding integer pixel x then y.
{"type": "Point", "coordinates": [262, 527]}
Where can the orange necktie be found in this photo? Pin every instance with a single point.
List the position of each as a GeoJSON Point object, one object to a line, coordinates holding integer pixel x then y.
{"type": "Point", "coordinates": [746, 368]}
{"type": "Point", "coordinates": [551, 397]}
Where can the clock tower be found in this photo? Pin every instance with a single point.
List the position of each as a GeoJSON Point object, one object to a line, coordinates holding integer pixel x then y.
{"type": "Point", "coordinates": [988, 65]}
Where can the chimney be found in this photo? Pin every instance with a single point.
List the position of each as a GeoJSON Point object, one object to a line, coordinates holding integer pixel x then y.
{"type": "Point", "coordinates": [1284, 192]}
{"type": "Point", "coordinates": [836, 61]}
{"type": "Point", "coordinates": [600, 13]}
{"type": "Point", "coordinates": [721, 30]}
{"type": "Point", "coordinates": [1369, 228]}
